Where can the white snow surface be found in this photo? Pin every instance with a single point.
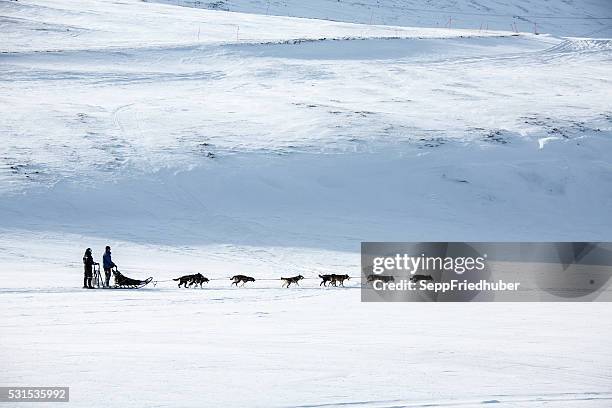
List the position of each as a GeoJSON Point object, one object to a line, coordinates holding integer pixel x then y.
{"type": "Point", "coordinates": [585, 18]}
{"type": "Point", "coordinates": [209, 141]}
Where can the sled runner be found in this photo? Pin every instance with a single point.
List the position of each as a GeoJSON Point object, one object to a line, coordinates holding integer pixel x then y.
{"type": "Point", "coordinates": [123, 282]}
{"type": "Point", "coordinates": [97, 280]}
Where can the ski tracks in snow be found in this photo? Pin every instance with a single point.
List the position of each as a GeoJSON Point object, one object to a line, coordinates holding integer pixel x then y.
{"type": "Point", "coordinates": [587, 399]}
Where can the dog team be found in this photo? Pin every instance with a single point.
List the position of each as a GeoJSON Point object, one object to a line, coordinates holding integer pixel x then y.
{"type": "Point", "coordinates": [188, 281]}
{"type": "Point", "coordinates": [194, 280]}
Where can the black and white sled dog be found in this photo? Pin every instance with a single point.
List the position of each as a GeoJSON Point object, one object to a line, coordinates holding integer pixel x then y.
{"type": "Point", "coordinates": [293, 279]}
{"type": "Point", "coordinates": [241, 278]}
{"type": "Point", "coordinates": [418, 278]}
{"type": "Point", "coordinates": [339, 279]}
{"type": "Point", "coordinates": [190, 280]}
{"type": "Point", "coordinates": [381, 278]}
{"type": "Point", "coordinates": [333, 279]}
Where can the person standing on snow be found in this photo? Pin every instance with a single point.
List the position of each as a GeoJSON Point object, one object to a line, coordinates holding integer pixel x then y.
{"type": "Point", "coordinates": [88, 263]}
{"type": "Point", "coordinates": [108, 264]}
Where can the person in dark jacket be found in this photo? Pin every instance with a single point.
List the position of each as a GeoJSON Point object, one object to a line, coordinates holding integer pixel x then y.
{"type": "Point", "coordinates": [88, 263]}
{"type": "Point", "coordinates": [108, 264]}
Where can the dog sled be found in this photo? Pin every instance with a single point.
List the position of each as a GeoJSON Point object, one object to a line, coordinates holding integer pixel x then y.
{"type": "Point", "coordinates": [123, 282]}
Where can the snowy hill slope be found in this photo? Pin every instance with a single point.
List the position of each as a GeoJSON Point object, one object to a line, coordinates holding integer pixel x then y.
{"type": "Point", "coordinates": [55, 25]}
{"type": "Point", "coordinates": [130, 104]}
{"type": "Point", "coordinates": [591, 18]}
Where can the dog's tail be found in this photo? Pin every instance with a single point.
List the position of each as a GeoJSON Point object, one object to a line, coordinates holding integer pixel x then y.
{"type": "Point", "coordinates": [232, 278]}
{"type": "Point", "coordinates": [320, 277]}
{"type": "Point", "coordinates": [177, 279]}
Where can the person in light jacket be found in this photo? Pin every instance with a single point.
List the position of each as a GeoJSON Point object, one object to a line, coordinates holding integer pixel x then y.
{"type": "Point", "coordinates": [108, 264]}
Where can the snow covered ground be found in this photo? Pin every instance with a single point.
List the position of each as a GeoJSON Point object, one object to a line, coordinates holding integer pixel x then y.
{"type": "Point", "coordinates": [273, 347]}
{"type": "Point", "coordinates": [586, 18]}
{"type": "Point", "coordinates": [200, 140]}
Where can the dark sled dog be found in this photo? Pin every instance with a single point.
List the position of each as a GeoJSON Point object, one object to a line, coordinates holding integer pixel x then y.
{"type": "Point", "coordinates": [381, 278]}
{"type": "Point", "coordinates": [198, 279]}
{"type": "Point", "coordinates": [241, 278]}
{"type": "Point", "coordinates": [325, 279]}
{"type": "Point", "coordinates": [293, 279]}
{"type": "Point", "coordinates": [185, 280]}
{"type": "Point", "coordinates": [418, 278]}
{"type": "Point", "coordinates": [335, 279]}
